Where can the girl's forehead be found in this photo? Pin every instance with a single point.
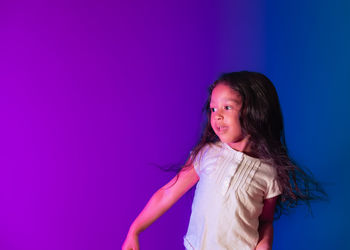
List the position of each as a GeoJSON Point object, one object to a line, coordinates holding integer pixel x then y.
{"type": "Point", "coordinates": [222, 92]}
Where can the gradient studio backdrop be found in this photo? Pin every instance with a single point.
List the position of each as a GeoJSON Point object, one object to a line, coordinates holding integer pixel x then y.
{"type": "Point", "coordinates": [92, 93]}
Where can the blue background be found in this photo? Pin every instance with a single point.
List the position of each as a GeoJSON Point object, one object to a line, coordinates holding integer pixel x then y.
{"type": "Point", "coordinates": [308, 60]}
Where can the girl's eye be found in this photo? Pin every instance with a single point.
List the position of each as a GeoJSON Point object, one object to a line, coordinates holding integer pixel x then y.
{"type": "Point", "coordinates": [213, 109]}
{"type": "Point", "coordinates": [228, 107]}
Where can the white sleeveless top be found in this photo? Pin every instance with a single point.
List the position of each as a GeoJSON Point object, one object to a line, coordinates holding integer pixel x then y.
{"type": "Point", "coordinates": [228, 199]}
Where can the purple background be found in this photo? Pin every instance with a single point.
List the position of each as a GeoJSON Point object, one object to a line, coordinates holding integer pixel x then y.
{"type": "Point", "coordinates": [93, 93]}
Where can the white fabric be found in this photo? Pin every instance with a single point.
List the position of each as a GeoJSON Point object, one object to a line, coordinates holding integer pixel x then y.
{"type": "Point", "coordinates": [228, 199]}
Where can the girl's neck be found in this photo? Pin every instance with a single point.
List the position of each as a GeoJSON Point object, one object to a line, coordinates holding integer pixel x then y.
{"type": "Point", "coordinates": [243, 146]}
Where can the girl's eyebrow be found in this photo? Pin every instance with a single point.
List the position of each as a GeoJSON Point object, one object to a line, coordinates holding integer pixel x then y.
{"type": "Point", "coordinates": [228, 100]}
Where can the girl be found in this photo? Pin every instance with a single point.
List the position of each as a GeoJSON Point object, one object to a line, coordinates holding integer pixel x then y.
{"type": "Point", "coordinates": [242, 168]}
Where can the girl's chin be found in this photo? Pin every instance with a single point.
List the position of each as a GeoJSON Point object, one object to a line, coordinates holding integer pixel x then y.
{"type": "Point", "coordinates": [225, 140]}
{"type": "Point", "coordinates": [231, 140]}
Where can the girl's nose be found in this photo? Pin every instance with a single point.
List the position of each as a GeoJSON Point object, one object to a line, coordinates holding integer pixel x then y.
{"type": "Point", "coordinates": [218, 116]}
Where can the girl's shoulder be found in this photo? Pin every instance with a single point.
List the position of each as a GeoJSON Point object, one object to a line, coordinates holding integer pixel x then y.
{"type": "Point", "coordinates": [207, 151]}
{"type": "Point", "coordinates": [266, 176]}
{"type": "Point", "coordinates": [210, 147]}
{"type": "Point", "coordinates": [267, 169]}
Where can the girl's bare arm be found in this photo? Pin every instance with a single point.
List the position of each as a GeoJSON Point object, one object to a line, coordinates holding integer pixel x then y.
{"type": "Point", "coordinates": [266, 224]}
{"type": "Point", "coordinates": [159, 203]}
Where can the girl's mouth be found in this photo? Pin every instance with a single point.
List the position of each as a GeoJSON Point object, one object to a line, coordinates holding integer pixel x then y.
{"type": "Point", "coordinates": [222, 129]}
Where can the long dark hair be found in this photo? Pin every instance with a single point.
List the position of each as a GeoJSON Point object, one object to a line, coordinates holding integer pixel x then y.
{"type": "Point", "coordinates": [261, 118]}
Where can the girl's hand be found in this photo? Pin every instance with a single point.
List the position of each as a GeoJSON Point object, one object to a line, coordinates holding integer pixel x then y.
{"type": "Point", "coordinates": [131, 242]}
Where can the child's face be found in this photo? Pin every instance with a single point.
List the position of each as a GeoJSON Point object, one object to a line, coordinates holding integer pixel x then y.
{"type": "Point", "coordinates": [225, 106]}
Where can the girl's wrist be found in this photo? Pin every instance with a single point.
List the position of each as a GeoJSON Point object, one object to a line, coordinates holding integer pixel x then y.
{"type": "Point", "coordinates": [134, 231]}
